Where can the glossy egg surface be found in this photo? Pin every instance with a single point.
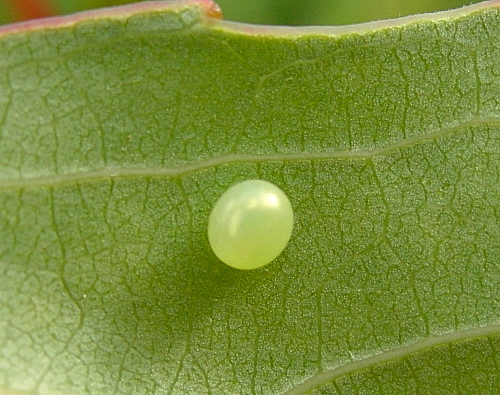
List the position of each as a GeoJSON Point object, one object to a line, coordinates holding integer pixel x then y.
{"type": "Point", "coordinates": [250, 224]}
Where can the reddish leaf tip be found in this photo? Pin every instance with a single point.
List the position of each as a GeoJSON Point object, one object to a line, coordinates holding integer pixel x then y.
{"type": "Point", "coordinates": [208, 9]}
{"type": "Point", "coordinates": [215, 11]}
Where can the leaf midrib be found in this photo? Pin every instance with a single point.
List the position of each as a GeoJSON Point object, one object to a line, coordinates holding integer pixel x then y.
{"type": "Point", "coordinates": [393, 354]}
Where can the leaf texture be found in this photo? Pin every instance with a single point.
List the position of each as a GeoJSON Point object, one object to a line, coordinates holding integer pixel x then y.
{"type": "Point", "coordinates": [120, 129]}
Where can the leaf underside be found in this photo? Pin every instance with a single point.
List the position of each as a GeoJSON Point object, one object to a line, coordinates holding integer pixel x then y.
{"type": "Point", "coordinates": [118, 134]}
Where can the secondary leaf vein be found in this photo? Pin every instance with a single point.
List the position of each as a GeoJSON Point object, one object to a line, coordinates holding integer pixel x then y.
{"type": "Point", "coordinates": [133, 172]}
{"type": "Point", "coordinates": [390, 355]}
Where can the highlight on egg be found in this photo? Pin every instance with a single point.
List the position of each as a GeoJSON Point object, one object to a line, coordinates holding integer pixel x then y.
{"type": "Point", "coordinates": [250, 225]}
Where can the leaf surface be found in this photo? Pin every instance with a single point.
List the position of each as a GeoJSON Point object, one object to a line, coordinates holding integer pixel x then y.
{"type": "Point", "coordinates": [120, 129]}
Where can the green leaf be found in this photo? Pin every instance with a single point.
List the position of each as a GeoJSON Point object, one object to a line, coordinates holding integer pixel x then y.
{"type": "Point", "coordinates": [119, 131]}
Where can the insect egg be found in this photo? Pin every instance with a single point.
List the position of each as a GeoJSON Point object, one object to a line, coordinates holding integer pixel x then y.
{"type": "Point", "coordinates": [250, 224]}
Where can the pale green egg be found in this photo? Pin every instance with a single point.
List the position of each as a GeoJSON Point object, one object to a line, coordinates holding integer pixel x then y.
{"type": "Point", "coordinates": [250, 225]}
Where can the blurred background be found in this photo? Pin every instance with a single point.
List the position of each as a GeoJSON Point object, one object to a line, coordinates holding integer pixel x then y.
{"type": "Point", "coordinates": [269, 12]}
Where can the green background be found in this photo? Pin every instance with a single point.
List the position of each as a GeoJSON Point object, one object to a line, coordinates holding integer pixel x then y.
{"type": "Point", "coordinates": [284, 12]}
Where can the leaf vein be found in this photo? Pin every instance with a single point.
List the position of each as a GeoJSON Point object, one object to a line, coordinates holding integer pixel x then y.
{"type": "Point", "coordinates": [160, 171]}
{"type": "Point", "coordinates": [389, 355]}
